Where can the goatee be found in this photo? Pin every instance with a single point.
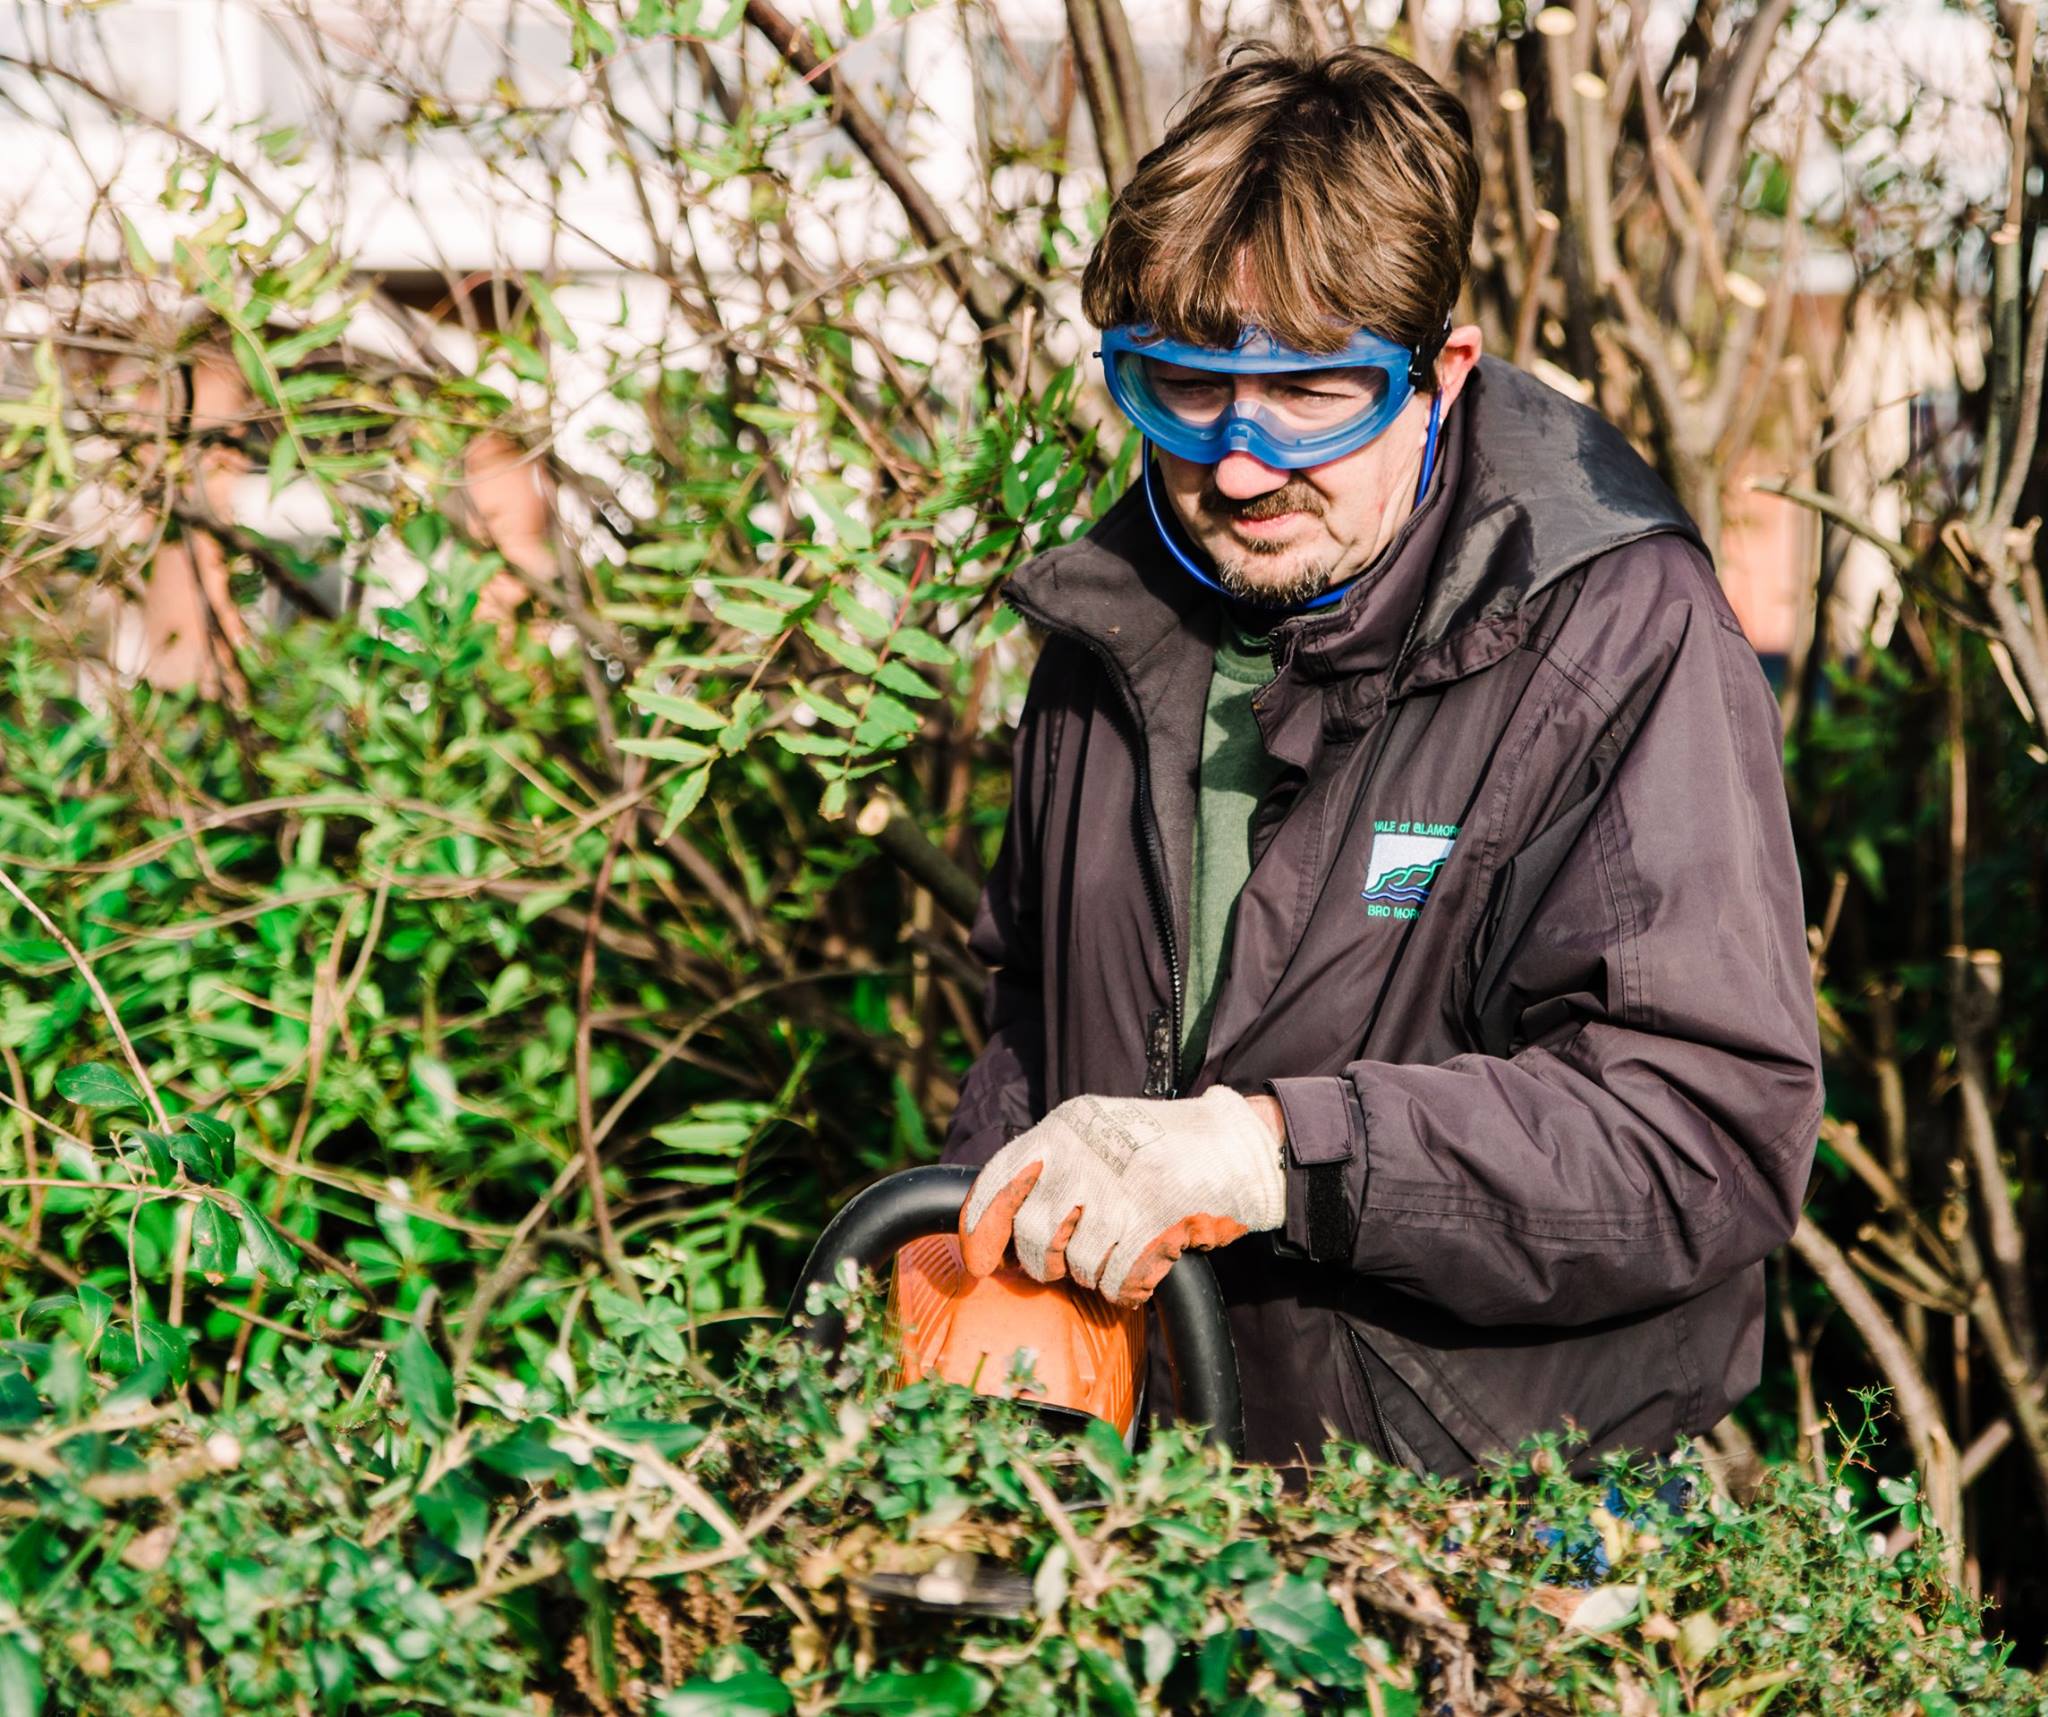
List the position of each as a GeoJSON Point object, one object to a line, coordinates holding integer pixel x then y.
{"type": "Point", "coordinates": [1235, 573]}
{"type": "Point", "coordinates": [1267, 592]}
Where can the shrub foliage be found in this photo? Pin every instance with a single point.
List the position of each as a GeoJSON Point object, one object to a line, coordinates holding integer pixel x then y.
{"type": "Point", "coordinates": [614, 1537]}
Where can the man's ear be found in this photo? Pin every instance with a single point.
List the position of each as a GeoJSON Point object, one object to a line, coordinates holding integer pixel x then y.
{"type": "Point", "coordinates": [1457, 360]}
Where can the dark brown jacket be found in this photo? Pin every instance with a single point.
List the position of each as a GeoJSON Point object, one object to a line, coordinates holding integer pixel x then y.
{"type": "Point", "coordinates": [1550, 1101]}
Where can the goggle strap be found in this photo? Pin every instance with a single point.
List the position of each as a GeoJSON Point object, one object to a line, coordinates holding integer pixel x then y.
{"type": "Point", "coordinates": [1166, 535]}
{"type": "Point", "coordinates": [1422, 366]}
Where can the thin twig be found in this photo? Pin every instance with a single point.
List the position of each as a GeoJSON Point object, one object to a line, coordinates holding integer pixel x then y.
{"type": "Point", "coordinates": [99, 993]}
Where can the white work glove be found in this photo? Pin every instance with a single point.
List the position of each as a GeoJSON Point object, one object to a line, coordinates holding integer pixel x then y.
{"type": "Point", "coordinates": [1111, 1190]}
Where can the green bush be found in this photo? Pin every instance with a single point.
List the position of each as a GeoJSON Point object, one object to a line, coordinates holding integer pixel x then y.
{"type": "Point", "coordinates": [612, 1537]}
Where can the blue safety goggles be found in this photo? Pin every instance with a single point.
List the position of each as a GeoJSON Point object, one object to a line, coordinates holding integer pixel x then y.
{"type": "Point", "coordinates": [1286, 408]}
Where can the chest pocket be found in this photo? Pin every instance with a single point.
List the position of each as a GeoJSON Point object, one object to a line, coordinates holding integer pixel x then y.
{"type": "Point", "coordinates": [1523, 882]}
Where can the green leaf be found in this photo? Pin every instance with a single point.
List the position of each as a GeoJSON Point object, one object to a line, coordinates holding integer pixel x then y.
{"type": "Point", "coordinates": [1304, 1633]}
{"type": "Point", "coordinates": [172, 1346]}
{"type": "Point", "coordinates": [833, 500]}
{"type": "Point", "coordinates": [827, 708]}
{"type": "Point", "coordinates": [777, 420]}
{"type": "Point", "coordinates": [216, 1241]}
{"type": "Point", "coordinates": [884, 718]}
{"type": "Point", "coordinates": [720, 1128]}
{"type": "Point", "coordinates": [157, 1148]}
{"type": "Point", "coordinates": [139, 258]}
{"type": "Point", "coordinates": [1112, 1680]}
{"type": "Point", "coordinates": [689, 794]}
{"type": "Point", "coordinates": [684, 712]}
{"type": "Point", "coordinates": [268, 1250]}
{"type": "Point", "coordinates": [526, 363]}
{"type": "Point", "coordinates": [863, 619]}
{"type": "Point", "coordinates": [754, 1693]}
{"type": "Point", "coordinates": [202, 1162]}
{"type": "Point", "coordinates": [812, 744]}
{"type": "Point", "coordinates": [771, 591]}
{"type": "Point", "coordinates": [669, 750]}
{"type": "Point", "coordinates": [669, 556]}
{"type": "Point", "coordinates": [96, 1314]}
{"type": "Point", "coordinates": [19, 1407]}
{"type": "Point", "coordinates": [96, 1085]}
{"type": "Point", "coordinates": [1016, 489]}
{"type": "Point", "coordinates": [282, 465]}
{"type": "Point", "coordinates": [456, 1511]}
{"type": "Point", "coordinates": [653, 18]}
{"type": "Point", "coordinates": [254, 367]}
{"type": "Point", "coordinates": [921, 646]}
{"type": "Point", "coordinates": [423, 534]}
{"type": "Point", "coordinates": [755, 617]}
{"type": "Point", "coordinates": [334, 1670]}
{"type": "Point", "coordinates": [667, 1437]}
{"type": "Point", "coordinates": [948, 1691]}
{"type": "Point", "coordinates": [216, 1132]}
{"type": "Point", "coordinates": [541, 902]}
{"type": "Point", "coordinates": [311, 385]}
{"type": "Point", "coordinates": [281, 144]}
{"type": "Point", "coordinates": [434, 1080]}
{"type": "Point", "coordinates": [508, 986]}
{"type": "Point", "coordinates": [288, 351]}
{"type": "Point", "coordinates": [899, 678]}
{"type": "Point", "coordinates": [527, 1455]}
{"type": "Point", "coordinates": [844, 651]}
{"type": "Point", "coordinates": [21, 1679]}
{"type": "Point", "coordinates": [551, 318]}
{"type": "Point", "coordinates": [140, 1387]}
{"type": "Point", "coordinates": [425, 1384]}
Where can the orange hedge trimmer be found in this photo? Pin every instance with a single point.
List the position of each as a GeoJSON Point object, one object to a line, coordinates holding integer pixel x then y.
{"type": "Point", "coordinates": [1084, 1356]}
{"type": "Point", "coordinates": [1087, 1356]}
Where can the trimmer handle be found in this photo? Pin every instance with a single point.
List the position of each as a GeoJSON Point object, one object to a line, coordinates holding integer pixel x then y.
{"type": "Point", "coordinates": [877, 1223]}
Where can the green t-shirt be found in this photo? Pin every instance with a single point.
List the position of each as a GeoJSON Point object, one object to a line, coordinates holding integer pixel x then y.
{"type": "Point", "coordinates": [1235, 771]}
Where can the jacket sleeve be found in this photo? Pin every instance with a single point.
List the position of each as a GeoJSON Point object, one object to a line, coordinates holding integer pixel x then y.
{"type": "Point", "coordinates": [1647, 1128]}
{"type": "Point", "coordinates": [1004, 1091]}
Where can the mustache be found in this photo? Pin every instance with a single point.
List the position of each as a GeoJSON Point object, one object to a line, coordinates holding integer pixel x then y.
{"type": "Point", "coordinates": [1294, 496]}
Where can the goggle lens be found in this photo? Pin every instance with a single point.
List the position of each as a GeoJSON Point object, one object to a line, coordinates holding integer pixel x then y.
{"type": "Point", "coordinates": [1307, 402]}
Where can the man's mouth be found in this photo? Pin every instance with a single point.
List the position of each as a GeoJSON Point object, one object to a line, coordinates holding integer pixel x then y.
{"type": "Point", "coordinates": [1260, 524]}
{"type": "Point", "coordinates": [1266, 516]}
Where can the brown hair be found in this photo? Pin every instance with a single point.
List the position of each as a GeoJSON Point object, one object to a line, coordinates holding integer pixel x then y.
{"type": "Point", "coordinates": [1311, 196]}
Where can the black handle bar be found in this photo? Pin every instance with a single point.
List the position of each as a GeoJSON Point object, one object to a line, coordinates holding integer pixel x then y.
{"type": "Point", "coordinates": [887, 1216]}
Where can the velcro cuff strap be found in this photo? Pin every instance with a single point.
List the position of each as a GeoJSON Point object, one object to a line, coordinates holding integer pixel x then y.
{"type": "Point", "coordinates": [1325, 1133]}
{"type": "Point", "coordinates": [1329, 1213]}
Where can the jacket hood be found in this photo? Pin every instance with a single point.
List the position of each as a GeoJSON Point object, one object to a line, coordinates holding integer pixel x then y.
{"type": "Point", "coordinates": [1533, 486]}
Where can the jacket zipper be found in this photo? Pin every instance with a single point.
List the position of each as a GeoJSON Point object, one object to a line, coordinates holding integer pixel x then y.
{"type": "Point", "coordinates": [1162, 1059]}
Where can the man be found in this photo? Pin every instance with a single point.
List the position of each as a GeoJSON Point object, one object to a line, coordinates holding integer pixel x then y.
{"type": "Point", "coordinates": [1398, 893]}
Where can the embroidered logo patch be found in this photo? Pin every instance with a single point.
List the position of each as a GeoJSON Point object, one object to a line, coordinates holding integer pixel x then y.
{"type": "Point", "coordinates": [1402, 867]}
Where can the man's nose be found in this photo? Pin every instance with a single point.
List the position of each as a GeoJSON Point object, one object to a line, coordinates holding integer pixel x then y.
{"type": "Point", "coordinates": [1241, 477]}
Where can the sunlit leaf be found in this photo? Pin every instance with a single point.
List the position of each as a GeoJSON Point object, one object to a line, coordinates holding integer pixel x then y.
{"type": "Point", "coordinates": [425, 1383]}
{"type": "Point", "coordinates": [96, 1085]}
{"type": "Point", "coordinates": [268, 1250]}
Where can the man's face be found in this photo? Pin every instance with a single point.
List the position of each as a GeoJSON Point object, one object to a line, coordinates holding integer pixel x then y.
{"type": "Point", "coordinates": [1279, 537]}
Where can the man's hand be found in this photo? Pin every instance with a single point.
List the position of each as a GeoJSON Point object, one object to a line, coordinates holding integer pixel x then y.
{"type": "Point", "coordinates": [1111, 1190]}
